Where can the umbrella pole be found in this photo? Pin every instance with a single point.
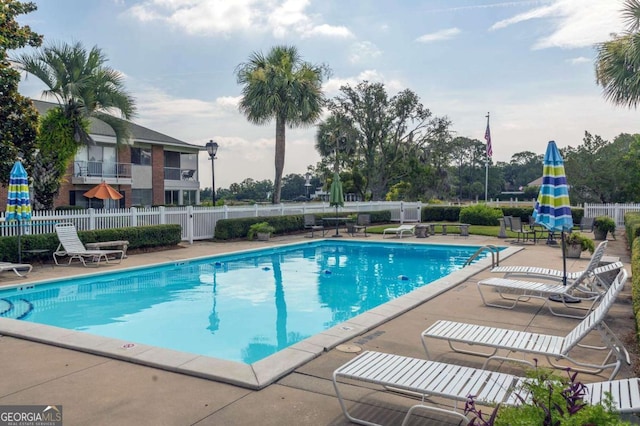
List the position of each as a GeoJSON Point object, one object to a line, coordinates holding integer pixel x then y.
{"type": "Point", "coordinates": [19, 242]}
{"type": "Point", "coordinates": [564, 298]}
{"type": "Point", "coordinates": [564, 259]}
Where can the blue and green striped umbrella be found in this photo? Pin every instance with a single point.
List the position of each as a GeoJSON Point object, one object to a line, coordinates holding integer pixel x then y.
{"type": "Point", "coordinates": [553, 209]}
{"type": "Point", "coordinates": [18, 202]}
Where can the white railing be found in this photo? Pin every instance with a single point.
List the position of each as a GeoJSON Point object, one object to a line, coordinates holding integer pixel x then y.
{"type": "Point", "coordinates": [615, 211]}
{"type": "Point", "coordinates": [197, 222]}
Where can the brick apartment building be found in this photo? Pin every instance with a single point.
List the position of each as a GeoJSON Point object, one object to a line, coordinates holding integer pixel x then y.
{"type": "Point", "coordinates": [155, 170]}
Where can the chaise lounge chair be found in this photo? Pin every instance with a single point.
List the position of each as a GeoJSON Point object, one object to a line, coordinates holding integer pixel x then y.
{"type": "Point", "coordinates": [557, 274]}
{"type": "Point", "coordinates": [400, 230]}
{"type": "Point", "coordinates": [550, 346]}
{"type": "Point", "coordinates": [422, 378]}
{"type": "Point", "coordinates": [71, 246]}
{"type": "Point", "coordinates": [15, 267]}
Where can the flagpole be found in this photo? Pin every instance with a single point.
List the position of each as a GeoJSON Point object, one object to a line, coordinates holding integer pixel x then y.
{"type": "Point", "coordinates": [487, 137]}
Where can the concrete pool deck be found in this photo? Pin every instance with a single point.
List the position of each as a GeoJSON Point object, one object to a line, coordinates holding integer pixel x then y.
{"type": "Point", "coordinates": [95, 389]}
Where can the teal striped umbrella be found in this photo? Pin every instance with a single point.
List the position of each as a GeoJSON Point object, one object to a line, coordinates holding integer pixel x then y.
{"type": "Point", "coordinates": [18, 201]}
{"type": "Point", "coordinates": [553, 209]}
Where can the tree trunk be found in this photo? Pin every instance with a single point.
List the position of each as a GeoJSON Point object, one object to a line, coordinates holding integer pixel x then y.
{"type": "Point", "coordinates": [279, 160]}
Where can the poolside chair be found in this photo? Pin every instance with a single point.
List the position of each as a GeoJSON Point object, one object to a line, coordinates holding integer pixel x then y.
{"type": "Point", "coordinates": [311, 224]}
{"type": "Point", "coordinates": [516, 291]}
{"type": "Point", "coordinates": [553, 274]}
{"type": "Point", "coordinates": [400, 230]}
{"type": "Point", "coordinates": [586, 224]}
{"type": "Point", "coordinates": [25, 268]}
{"type": "Point", "coordinates": [550, 346]}
{"type": "Point", "coordinates": [423, 379]}
{"type": "Point", "coordinates": [71, 246]}
{"type": "Point", "coordinates": [516, 225]}
{"type": "Point", "coordinates": [362, 222]}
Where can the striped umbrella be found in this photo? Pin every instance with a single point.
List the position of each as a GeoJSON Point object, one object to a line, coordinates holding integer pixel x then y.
{"type": "Point", "coordinates": [553, 209]}
{"type": "Point", "coordinates": [18, 202]}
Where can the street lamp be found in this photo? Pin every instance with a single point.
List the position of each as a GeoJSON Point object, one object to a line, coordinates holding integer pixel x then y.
{"type": "Point", "coordinates": [212, 148]}
{"type": "Point", "coordinates": [307, 183]}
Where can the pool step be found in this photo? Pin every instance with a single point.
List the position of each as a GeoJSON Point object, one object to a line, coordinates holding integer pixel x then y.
{"type": "Point", "coordinates": [18, 309]}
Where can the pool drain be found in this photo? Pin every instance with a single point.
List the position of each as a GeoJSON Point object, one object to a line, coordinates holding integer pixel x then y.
{"type": "Point", "coordinates": [350, 349]}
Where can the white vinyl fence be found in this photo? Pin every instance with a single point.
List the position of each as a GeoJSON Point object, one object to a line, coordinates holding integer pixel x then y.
{"type": "Point", "coordinates": [614, 211]}
{"type": "Point", "coordinates": [197, 222]}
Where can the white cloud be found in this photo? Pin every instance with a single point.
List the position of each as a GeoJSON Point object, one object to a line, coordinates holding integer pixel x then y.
{"type": "Point", "coordinates": [223, 17]}
{"type": "Point", "coordinates": [439, 35]}
{"type": "Point", "coordinates": [363, 51]}
{"type": "Point", "coordinates": [332, 86]}
{"type": "Point", "coordinates": [572, 23]}
{"type": "Point", "coordinates": [579, 60]}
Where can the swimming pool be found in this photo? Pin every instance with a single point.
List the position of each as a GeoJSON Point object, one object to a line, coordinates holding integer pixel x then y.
{"type": "Point", "coordinates": [239, 308]}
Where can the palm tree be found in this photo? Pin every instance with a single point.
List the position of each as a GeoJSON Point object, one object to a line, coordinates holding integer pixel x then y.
{"type": "Point", "coordinates": [618, 61]}
{"type": "Point", "coordinates": [83, 87]}
{"type": "Point", "coordinates": [283, 87]}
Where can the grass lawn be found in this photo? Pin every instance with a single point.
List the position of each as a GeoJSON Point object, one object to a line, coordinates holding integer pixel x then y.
{"type": "Point", "coordinates": [487, 231]}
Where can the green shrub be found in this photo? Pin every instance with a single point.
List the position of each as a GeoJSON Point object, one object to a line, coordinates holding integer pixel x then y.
{"type": "Point", "coordinates": [480, 214]}
{"type": "Point", "coordinates": [576, 238]}
{"type": "Point", "coordinates": [141, 237]}
{"type": "Point", "coordinates": [549, 399]}
{"type": "Point", "coordinates": [604, 224]}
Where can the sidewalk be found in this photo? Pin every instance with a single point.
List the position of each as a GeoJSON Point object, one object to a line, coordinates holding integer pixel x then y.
{"type": "Point", "coordinates": [103, 391]}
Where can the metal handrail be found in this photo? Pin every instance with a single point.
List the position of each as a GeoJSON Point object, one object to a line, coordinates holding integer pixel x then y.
{"type": "Point", "coordinates": [495, 255]}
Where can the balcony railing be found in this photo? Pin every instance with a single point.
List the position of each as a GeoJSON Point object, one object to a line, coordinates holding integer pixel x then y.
{"type": "Point", "coordinates": [102, 169]}
{"type": "Point", "coordinates": [176, 173]}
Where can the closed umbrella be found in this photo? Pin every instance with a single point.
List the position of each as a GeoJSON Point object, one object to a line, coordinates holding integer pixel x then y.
{"type": "Point", "coordinates": [18, 202]}
{"type": "Point", "coordinates": [553, 209]}
{"type": "Point", "coordinates": [336, 196]}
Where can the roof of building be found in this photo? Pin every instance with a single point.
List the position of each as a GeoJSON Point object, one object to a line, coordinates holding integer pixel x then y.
{"type": "Point", "coordinates": [139, 133]}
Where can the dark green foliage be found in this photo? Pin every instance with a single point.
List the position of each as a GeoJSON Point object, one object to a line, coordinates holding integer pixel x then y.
{"type": "Point", "coordinates": [142, 237]}
{"type": "Point", "coordinates": [229, 229]}
{"type": "Point", "coordinates": [57, 148]}
{"type": "Point", "coordinates": [440, 214]}
{"type": "Point", "coordinates": [604, 224]}
{"type": "Point", "coordinates": [18, 117]}
{"type": "Point", "coordinates": [481, 214]}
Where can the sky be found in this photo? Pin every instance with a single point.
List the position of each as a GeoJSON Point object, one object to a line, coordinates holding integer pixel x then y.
{"type": "Point", "coordinates": [529, 63]}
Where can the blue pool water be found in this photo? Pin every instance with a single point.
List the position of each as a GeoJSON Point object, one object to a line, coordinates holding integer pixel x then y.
{"type": "Point", "coordinates": [240, 307]}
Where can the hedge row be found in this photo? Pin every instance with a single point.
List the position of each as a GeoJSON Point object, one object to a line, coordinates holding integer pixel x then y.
{"type": "Point", "coordinates": [452, 213]}
{"type": "Point", "coordinates": [139, 238]}
{"type": "Point", "coordinates": [230, 229]}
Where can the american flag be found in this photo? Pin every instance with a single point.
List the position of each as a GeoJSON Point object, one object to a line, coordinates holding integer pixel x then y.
{"type": "Point", "coordinates": [487, 137]}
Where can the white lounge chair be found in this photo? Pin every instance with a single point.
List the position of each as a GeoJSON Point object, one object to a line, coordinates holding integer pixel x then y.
{"type": "Point", "coordinates": [422, 378]}
{"type": "Point", "coordinates": [71, 246]}
{"type": "Point", "coordinates": [550, 346]}
{"type": "Point", "coordinates": [556, 274]}
{"type": "Point", "coordinates": [24, 268]}
{"type": "Point", "coordinates": [399, 231]}
{"type": "Point", "coordinates": [515, 291]}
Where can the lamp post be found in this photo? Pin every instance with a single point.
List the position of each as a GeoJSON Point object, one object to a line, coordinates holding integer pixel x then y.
{"type": "Point", "coordinates": [212, 148]}
{"type": "Point", "coordinates": [307, 183]}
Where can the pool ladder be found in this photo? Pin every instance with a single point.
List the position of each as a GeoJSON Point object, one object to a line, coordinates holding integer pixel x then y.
{"type": "Point", "coordinates": [495, 255]}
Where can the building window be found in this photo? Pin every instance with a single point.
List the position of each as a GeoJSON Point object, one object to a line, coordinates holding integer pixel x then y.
{"type": "Point", "coordinates": [141, 156]}
{"type": "Point", "coordinates": [172, 198]}
{"type": "Point", "coordinates": [189, 198]}
{"type": "Point", "coordinates": [141, 197]}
